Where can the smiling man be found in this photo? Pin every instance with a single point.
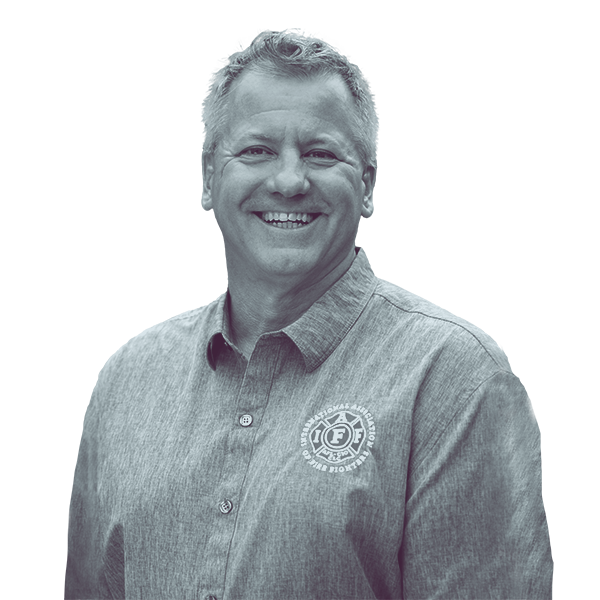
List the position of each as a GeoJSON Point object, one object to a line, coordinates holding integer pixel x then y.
{"type": "Point", "coordinates": [315, 432]}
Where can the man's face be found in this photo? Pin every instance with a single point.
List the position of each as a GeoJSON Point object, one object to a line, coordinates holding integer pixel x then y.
{"type": "Point", "coordinates": [286, 180]}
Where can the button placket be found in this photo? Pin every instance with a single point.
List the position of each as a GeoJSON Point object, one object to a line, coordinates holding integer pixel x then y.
{"type": "Point", "coordinates": [252, 397]}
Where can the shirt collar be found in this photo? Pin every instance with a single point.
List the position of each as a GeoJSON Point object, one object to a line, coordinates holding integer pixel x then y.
{"type": "Point", "coordinates": [218, 330]}
{"type": "Point", "coordinates": [319, 331]}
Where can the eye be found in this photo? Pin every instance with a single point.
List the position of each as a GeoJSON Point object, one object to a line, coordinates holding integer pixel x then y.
{"type": "Point", "coordinates": [321, 156]}
{"type": "Point", "coordinates": [256, 151]}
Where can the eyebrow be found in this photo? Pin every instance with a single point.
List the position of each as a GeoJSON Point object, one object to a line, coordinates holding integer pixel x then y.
{"type": "Point", "coordinates": [256, 136]}
{"type": "Point", "coordinates": [324, 139]}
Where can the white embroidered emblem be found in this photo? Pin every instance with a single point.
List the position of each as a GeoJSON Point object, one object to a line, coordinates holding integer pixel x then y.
{"type": "Point", "coordinates": [338, 438]}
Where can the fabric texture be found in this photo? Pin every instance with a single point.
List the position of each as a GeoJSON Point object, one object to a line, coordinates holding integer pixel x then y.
{"type": "Point", "coordinates": [378, 447]}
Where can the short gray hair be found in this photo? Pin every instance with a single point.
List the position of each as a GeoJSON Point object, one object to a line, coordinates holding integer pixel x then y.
{"type": "Point", "coordinates": [289, 54]}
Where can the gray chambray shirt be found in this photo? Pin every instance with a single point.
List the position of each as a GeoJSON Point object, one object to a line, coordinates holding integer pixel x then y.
{"type": "Point", "coordinates": [378, 447]}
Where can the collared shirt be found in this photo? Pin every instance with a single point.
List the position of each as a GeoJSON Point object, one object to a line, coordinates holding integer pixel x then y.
{"type": "Point", "coordinates": [378, 447]}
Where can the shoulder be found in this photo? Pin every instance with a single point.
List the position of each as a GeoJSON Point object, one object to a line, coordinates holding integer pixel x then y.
{"type": "Point", "coordinates": [457, 372]}
{"type": "Point", "coordinates": [430, 328]}
{"type": "Point", "coordinates": [164, 345]}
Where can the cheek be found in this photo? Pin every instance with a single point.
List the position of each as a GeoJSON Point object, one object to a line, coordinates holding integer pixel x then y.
{"type": "Point", "coordinates": [240, 185]}
{"type": "Point", "coordinates": [343, 181]}
{"type": "Point", "coordinates": [344, 193]}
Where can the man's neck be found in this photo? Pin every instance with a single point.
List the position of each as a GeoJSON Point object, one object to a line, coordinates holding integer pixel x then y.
{"type": "Point", "coordinates": [262, 305]}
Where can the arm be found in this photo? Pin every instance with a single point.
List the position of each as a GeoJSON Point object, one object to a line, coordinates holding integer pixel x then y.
{"type": "Point", "coordinates": [95, 560]}
{"type": "Point", "coordinates": [475, 525]}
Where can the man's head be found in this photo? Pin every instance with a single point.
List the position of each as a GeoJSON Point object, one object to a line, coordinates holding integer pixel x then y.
{"type": "Point", "coordinates": [286, 167]}
{"type": "Point", "coordinates": [288, 54]}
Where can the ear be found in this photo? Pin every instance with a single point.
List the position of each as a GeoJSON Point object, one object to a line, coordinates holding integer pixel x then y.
{"type": "Point", "coordinates": [368, 178]}
{"type": "Point", "coordinates": [208, 171]}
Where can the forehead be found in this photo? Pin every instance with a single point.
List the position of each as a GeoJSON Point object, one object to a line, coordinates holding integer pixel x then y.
{"type": "Point", "coordinates": [313, 102]}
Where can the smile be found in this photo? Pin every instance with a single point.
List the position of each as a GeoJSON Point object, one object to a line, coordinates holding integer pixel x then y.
{"type": "Point", "coordinates": [292, 220]}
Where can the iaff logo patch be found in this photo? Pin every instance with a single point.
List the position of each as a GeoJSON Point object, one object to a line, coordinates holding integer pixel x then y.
{"type": "Point", "coordinates": [338, 438]}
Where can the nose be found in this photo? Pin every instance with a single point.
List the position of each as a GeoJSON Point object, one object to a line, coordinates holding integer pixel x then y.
{"type": "Point", "coordinates": [288, 177]}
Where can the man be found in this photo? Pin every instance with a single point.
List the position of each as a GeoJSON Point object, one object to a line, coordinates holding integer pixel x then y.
{"type": "Point", "coordinates": [315, 432]}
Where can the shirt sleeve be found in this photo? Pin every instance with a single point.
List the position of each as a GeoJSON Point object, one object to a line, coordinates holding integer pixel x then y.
{"type": "Point", "coordinates": [95, 559]}
{"type": "Point", "coordinates": [475, 525]}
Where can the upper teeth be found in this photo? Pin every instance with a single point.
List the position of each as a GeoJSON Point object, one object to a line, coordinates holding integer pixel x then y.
{"type": "Point", "coordinates": [277, 216]}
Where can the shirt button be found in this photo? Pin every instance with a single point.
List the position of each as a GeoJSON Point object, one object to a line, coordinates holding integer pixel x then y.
{"type": "Point", "coordinates": [225, 506]}
{"type": "Point", "coordinates": [246, 420]}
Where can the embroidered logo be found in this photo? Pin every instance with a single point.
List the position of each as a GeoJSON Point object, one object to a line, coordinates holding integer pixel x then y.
{"type": "Point", "coordinates": [338, 438]}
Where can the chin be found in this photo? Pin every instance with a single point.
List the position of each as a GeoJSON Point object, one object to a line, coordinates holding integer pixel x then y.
{"type": "Point", "coordinates": [290, 264]}
{"type": "Point", "coordinates": [286, 263]}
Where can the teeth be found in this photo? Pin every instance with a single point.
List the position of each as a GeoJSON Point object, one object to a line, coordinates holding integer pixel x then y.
{"type": "Point", "coordinates": [287, 218]}
{"type": "Point", "coordinates": [286, 224]}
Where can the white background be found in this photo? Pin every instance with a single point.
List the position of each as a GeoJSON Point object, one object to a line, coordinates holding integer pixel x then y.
{"type": "Point", "coordinates": [32, 234]}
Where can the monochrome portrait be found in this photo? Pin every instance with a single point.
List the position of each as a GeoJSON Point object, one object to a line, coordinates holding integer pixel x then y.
{"type": "Point", "coordinates": [304, 388]}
